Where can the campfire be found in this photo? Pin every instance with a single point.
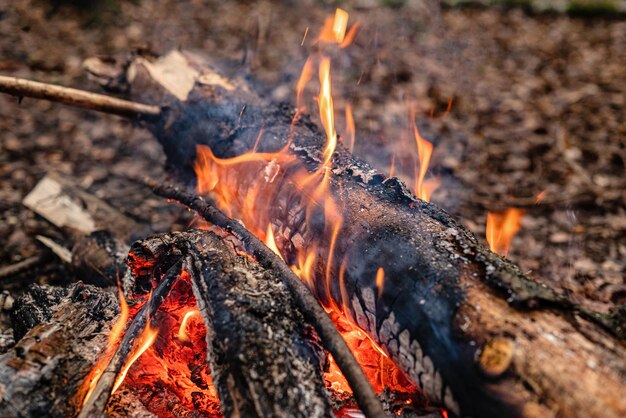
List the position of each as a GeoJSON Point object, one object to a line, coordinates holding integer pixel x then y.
{"type": "Point", "coordinates": [308, 283]}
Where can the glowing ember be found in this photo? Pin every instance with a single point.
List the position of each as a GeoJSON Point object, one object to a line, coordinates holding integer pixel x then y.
{"type": "Point", "coordinates": [501, 228]}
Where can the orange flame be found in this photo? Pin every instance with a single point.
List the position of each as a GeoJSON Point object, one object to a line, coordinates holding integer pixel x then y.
{"type": "Point", "coordinates": [380, 281]}
{"type": "Point", "coordinates": [305, 76]}
{"type": "Point", "coordinates": [254, 203]}
{"type": "Point", "coordinates": [501, 228]}
{"type": "Point", "coordinates": [114, 337]}
{"type": "Point", "coordinates": [423, 189]}
{"type": "Point", "coordinates": [540, 196]}
{"type": "Point", "coordinates": [334, 29]}
{"type": "Point", "coordinates": [350, 128]}
{"type": "Point", "coordinates": [145, 340]}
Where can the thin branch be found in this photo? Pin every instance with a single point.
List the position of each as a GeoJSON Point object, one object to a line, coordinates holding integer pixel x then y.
{"type": "Point", "coordinates": [308, 304]}
{"type": "Point", "coordinates": [79, 98]}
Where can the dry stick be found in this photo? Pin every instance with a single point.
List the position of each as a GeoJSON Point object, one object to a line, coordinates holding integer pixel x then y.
{"type": "Point", "coordinates": [308, 304]}
{"type": "Point", "coordinates": [79, 98]}
{"type": "Point", "coordinates": [100, 396]}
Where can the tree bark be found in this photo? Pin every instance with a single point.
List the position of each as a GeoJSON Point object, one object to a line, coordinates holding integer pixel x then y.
{"type": "Point", "coordinates": [465, 324]}
{"type": "Point", "coordinates": [40, 375]}
{"type": "Point", "coordinates": [264, 358]}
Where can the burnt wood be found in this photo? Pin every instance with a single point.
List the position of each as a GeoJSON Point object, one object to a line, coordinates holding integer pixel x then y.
{"type": "Point", "coordinates": [67, 331]}
{"type": "Point", "coordinates": [265, 359]}
{"type": "Point", "coordinates": [465, 324]}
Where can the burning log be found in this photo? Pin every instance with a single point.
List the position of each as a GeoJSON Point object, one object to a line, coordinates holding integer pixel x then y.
{"type": "Point", "coordinates": [264, 358]}
{"type": "Point", "coordinates": [40, 375]}
{"type": "Point", "coordinates": [468, 326]}
{"type": "Point", "coordinates": [465, 324]}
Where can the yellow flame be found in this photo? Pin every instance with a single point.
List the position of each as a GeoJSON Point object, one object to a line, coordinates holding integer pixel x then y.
{"type": "Point", "coordinates": [325, 104]}
{"type": "Point", "coordinates": [271, 242]}
{"type": "Point", "coordinates": [182, 331]}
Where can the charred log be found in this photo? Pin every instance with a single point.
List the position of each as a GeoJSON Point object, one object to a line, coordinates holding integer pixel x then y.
{"type": "Point", "coordinates": [40, 375]}
{"type": "Point", "coordinates": [264, 357]}
{"type": "Point", "coordinates": [465, 324]}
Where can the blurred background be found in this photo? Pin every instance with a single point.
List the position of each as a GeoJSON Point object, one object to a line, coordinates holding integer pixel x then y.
{"type": "Point", "coordinates": [523, 101]}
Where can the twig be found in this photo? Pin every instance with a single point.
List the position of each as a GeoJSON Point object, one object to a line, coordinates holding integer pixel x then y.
{"type": "Point", "coordinates": [308, 304]}
{"type": "Point", "coordinates": [78, 98]}
{"type": "Point", "coordinates": [98, 400]}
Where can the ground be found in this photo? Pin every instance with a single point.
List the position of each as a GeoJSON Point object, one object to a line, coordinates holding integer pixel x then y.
{"type": "Point", "coordinates": [537, 107]}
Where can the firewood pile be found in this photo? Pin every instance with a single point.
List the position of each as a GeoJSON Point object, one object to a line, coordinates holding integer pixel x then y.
{"type": "Point", "coordinates": [307, 283]}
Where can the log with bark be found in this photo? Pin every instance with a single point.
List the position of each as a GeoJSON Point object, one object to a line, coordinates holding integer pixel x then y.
{"type": "Point", "coordinates": [468, 326]}
{"type": "Point", "coordinates": [68, 330]}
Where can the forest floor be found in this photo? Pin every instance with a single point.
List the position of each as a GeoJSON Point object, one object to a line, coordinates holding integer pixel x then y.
{"type": "Point", "coordinates": [537, 108]}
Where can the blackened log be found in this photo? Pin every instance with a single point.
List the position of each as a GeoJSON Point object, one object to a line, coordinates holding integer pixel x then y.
{"type": "Point", "coordinates": [264, 357]}
{"type": "Point", "coordinates": [466, 325]}
{"type": "Point", "coordinates": [41, 374]}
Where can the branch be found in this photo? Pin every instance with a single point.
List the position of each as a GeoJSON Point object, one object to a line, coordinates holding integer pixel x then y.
{"type": "Point", "coordinates": [307, 303]}
{"type": "Point", "coordinates": [78, 98]}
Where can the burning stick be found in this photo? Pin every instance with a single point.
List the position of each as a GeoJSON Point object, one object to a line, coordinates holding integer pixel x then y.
{"type": "Point", "coordinates": [97, 400]}
{"type": "Point", "coordinates": [78, 98]}
{"type": "Point", "coordinates": [310, 307]}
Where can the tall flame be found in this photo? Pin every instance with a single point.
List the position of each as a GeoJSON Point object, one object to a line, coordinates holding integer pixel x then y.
{"type": "Point", "coordinates": [423, 189]}
{"type": "Point", "coordinates": [350, 129]}
{"type": "Point", "coordinates": [327, 115]}
{"type": "Point", "coordinates": [501, 228]}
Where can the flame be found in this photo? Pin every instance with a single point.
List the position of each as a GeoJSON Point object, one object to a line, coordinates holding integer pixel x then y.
{"type": "Point", "coordinates": [350, 128]}
{"type": "Point", "coordinates": [270, 241]}
{"type": "Point", "coordinates": [145, 340]}
{"type": "Point", "coordinates": [380, 281]}
{"type": "Point", "coordinates": [182, 330]}
{"type": "Point", "coordinates": [305, 76]}
{"type": "Point", "coordinates": [334, 29]}
{"type": "Point", "coordinates": [114, 337]}
{"type": "Point", "coordinates": [540, 196]}
{"type": "Point", "coordinates": [423, 189]}
{"type": "Point", "coordinates": [256, 204]}
{"type": "Point", "coordinates": [327, 116]}
{"type": "Point", "coordinates": [501, 228]}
